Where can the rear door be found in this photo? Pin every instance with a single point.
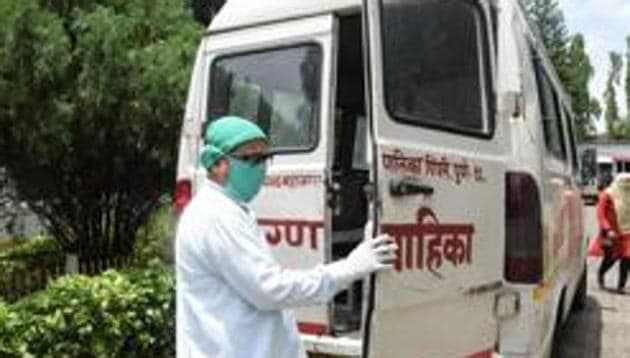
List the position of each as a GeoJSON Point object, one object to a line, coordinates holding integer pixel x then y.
{"type": "Point", "coordinates": [440, 161]}
{"type": "Point", "coordinates": [279, 75]}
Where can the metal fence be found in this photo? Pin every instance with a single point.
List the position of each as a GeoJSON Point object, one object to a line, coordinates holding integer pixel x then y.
{"type": "Point", "coordinates": [23, 282]}
{"type": "Point", "coordinates": [24, 279]}
{"type": "Point", "coordinates": [96, 264]}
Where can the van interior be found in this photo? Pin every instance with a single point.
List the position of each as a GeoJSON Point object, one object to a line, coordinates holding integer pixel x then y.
{"type": "Point", "coordinates": [350, 169]}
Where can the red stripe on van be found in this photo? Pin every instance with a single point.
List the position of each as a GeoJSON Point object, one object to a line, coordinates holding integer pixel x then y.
{"type": "Point", "coordinates": [312, 328]}
{"type": "Point", "coordinates": [482, 354]}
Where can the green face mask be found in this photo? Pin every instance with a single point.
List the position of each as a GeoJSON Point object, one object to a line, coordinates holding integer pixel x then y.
{"type": "Point", "coordinates": [244, 179]}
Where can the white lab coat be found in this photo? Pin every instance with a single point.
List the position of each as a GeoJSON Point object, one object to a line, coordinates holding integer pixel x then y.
{"type": "Point", "coordinates": [233, 298]}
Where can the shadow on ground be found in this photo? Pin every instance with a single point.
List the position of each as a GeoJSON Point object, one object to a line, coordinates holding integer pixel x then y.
{"type": "Point", "coordinates": [582, 332]}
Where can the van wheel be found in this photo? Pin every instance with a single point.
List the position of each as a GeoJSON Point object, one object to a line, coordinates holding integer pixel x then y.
{"type": "Point", "coordinates": [579, 299]}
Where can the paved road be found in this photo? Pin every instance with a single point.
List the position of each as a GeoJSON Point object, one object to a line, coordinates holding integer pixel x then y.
{"type": "Point", "coordinates": [603, 328]}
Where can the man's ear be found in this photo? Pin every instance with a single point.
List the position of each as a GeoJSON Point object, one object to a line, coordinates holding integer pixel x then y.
{"type": "Point", "coordinates": [223, 163]}
{"type": "Point", "coordinates": [220, 170]}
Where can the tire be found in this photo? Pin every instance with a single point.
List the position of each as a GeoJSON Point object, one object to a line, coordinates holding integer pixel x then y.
{"type": "Point", "coordinates": [579, 298]}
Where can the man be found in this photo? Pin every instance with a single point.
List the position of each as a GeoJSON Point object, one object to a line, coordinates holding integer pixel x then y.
{"type": "Point", "coordinates": [233, 299]}
{"type": "Point", "coordinates": [608, 229]}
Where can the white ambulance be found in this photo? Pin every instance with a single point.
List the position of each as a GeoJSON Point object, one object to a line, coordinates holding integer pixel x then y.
{"type": "Point", "coordinates": [440, 122]}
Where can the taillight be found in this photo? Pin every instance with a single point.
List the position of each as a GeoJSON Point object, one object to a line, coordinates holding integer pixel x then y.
{"type": "Point", "coordinates": [523, 230]}
{"type": "Point", "coordinates": [183, 194]}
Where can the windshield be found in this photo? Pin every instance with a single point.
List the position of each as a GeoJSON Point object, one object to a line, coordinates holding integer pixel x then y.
{"type": "Point", "coordinates": [278, 89]}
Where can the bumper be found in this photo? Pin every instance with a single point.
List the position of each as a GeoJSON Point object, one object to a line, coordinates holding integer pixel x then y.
{"type": "Point", "coordinates": [328, 345]}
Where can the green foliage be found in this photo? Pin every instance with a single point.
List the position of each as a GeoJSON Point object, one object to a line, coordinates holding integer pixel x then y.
{"type": "Point", "coordinates": [579, 72]}
{"type": "Point", "coordinates": [205, 10]}
{"type": "Point", "coordinates": [36, 253]}
{"type": "Point", "coordinates": [569, 57]}
{"type": "Point", "coordinates": [611, 114]}
{"type": "Point", "coordinates": [10, 346]}
{"type": "Point", "coordinates": [91, 101]}
{"type": "Point", "coordinates": [155, 238]}
{"type": "Point", "coordinates": [25, 267]}
{"type": "Point", "coordinates": [617, 127]}
{"type": "Point", "coordinates": [628, 77]}
{"type": "Point", "coordinates": [117, 314]}
{"type": "Point", "coordinates": [548, 17]}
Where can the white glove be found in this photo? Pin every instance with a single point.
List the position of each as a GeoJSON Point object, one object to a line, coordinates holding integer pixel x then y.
{"type": "Point", "coordinates": [369, 256]}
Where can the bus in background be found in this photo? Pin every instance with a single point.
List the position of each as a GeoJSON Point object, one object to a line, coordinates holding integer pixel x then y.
{"type": "Point", "coordinates": [600, 162]}
{"type": "Point", "coordinates": [589, 170]}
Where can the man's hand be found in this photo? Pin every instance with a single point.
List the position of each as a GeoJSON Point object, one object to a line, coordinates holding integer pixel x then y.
{"type": "Point", "coordinates": [611, 234]}
{"type": "Point", "coordinates": [374, 254]}
{"type": "Point", "coordinates": [369, 256]}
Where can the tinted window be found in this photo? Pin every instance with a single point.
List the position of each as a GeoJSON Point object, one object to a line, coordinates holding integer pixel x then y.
{"type": "Point", "coordinates": [552, 123]}
{"type": "Point", "coordinates": [278, 89]}
{"type": "Point", "coordinates": [572, 147]}
{"type": "Point", "coordinates": [436, 63]}
{"type": "Point", "coordinates": [360, 158]}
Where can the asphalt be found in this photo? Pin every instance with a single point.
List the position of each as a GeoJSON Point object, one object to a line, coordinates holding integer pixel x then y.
{"type": "Point", "coordinates": [602, 329]}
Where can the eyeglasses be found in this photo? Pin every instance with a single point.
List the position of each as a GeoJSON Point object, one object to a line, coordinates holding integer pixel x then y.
{"type": "Point", "coordinates": [252, 159]}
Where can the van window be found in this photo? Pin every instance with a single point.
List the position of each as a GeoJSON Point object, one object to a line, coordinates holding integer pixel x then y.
{"type": "Point", "coordinates": [278, 89]}
{"type": "Point", "coordinates": [551, 120]}
{"type": "Point", "coordinates": [572, 148]}
{"type": "Point", "coordinates": [360, 158]}
{"type": "Point", "coordinates": [436, 68]}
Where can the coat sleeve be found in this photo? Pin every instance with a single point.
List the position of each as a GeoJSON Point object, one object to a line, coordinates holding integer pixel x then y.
{"type": "Point", "coordinates": [248, 268]}
{"type": "Point", "coordinates": [605, 208]}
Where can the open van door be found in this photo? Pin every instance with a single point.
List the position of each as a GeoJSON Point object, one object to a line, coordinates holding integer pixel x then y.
{"type": "Point", "coordinates": [278, 75]}
{"type": "Point", "coordinates": [439, 172]}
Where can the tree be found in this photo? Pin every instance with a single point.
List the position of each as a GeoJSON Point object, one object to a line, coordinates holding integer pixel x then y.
{"type": "Point", "coordinates": [628, 77]}
{"type": "Point", "coordinates": [579, 72]}
{"type": "Point", "coordinates": [596, 108]}
{"type": "Point", "coordinates": [549, 19]}
{"type": "Point", "coordinates": [568, 55]}
{"type": "Point", "coordinates": [8, 213]}
{"type": "Point", "coordinates": [611, 114]}
{"type": "Point", "coordinates": [204, 10]}
{"type": "Point", "coordinates": [91, 101]}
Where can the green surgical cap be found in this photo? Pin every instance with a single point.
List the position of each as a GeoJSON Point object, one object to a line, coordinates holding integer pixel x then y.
{"type": "Point", "coordinates": [226, 134]}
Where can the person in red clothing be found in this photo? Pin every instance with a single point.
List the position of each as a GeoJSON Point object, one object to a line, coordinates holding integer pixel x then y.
{"type": "Point", "coordinates": [613, 215]}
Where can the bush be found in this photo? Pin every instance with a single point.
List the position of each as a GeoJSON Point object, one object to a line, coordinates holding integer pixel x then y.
{"type": "Point", "coordinates": [154, 240]}
{"type": "Point", "coordinates": [40, 252]}
{"type": "Point", "coordinates": [9, 346]}
{"type": "Point", "coordinates": [127, 313]}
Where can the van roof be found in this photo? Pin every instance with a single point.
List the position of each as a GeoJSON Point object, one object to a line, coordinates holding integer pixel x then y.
{"type": "Point", "coordinates": [244, 13]}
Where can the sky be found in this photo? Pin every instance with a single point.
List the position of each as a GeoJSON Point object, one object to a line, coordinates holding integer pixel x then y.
{"type": "Point", "coordinates": [605, 25]}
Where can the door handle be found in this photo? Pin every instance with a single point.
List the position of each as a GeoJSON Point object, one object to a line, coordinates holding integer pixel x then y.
{"type": "Point", "coordinates": [407, 187]}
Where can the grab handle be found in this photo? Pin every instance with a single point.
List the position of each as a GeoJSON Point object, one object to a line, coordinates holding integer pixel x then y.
{"type": "Point", "coordinates": [407, 187]}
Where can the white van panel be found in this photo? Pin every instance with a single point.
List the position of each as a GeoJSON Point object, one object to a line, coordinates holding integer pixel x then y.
{"type": "Point", "coordinates": [191, 137]}
{"type": "Point", "coordinates": [440, 299]}
{"type": "Point", "coordinates": [242, 13]}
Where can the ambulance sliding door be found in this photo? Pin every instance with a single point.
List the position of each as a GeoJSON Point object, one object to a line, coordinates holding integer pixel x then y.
{"type": "Point", "coordinates": [440, 174]}
{"type": "Point", "coordinates": [279, 76]}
